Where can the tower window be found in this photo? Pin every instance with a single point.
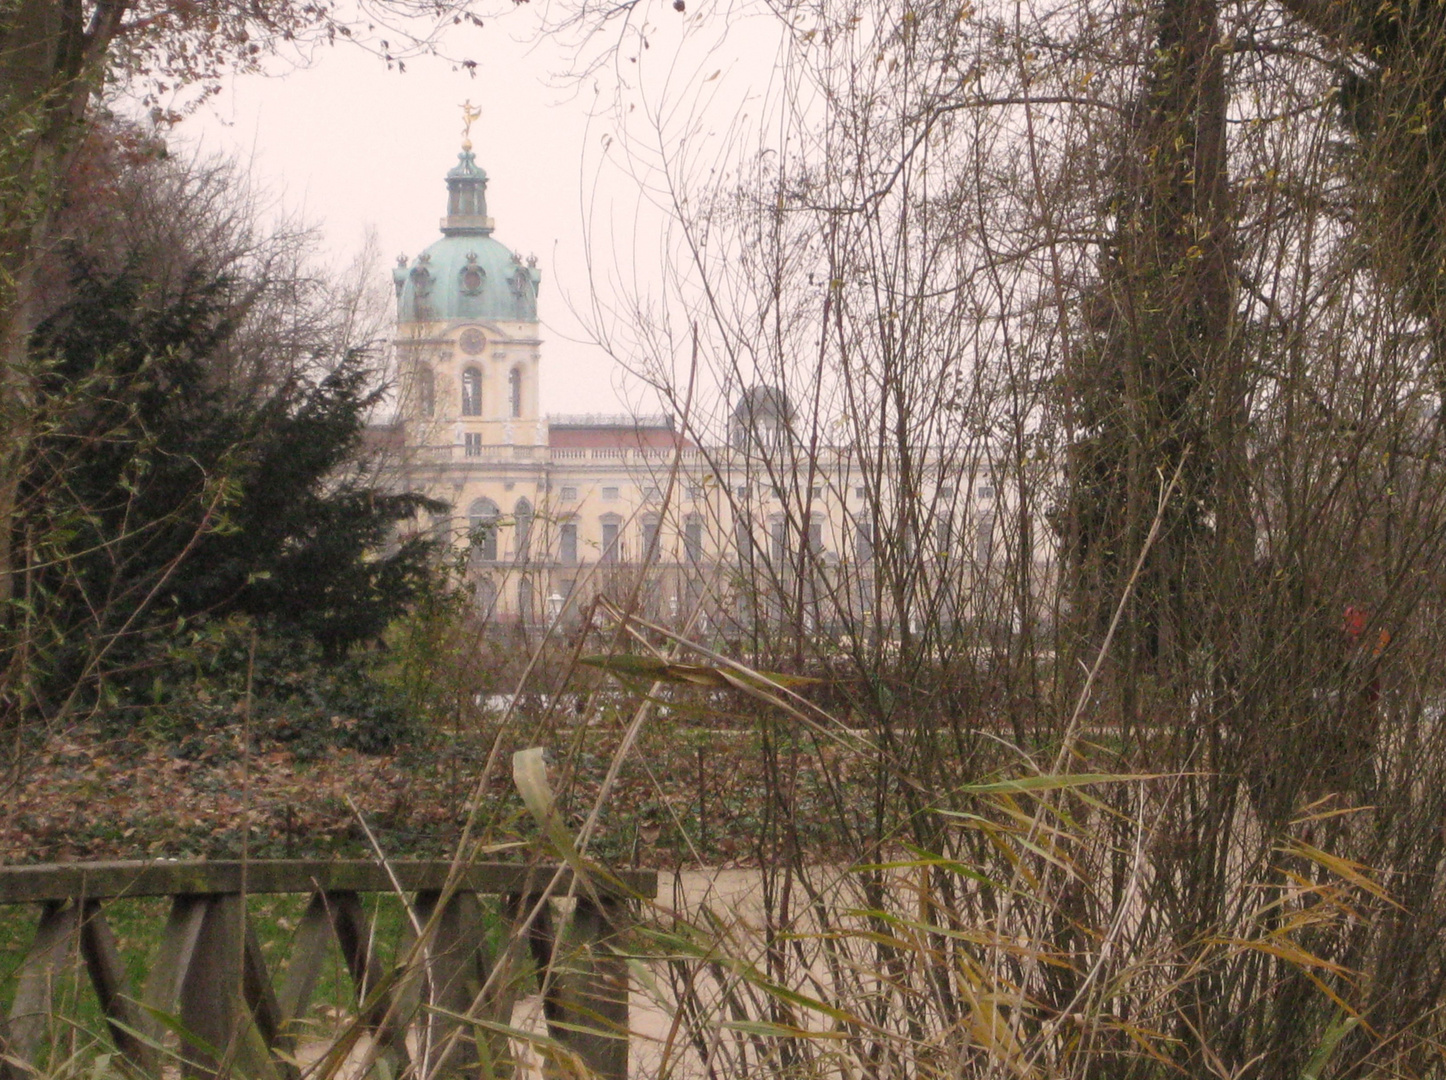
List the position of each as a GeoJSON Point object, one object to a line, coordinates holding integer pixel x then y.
{"type": "Point", "coordinates": [471, 392]}
{"type": "Point", "coordinates": [514, 385]}
{"type": "Point", "coordinates": [426, 391]}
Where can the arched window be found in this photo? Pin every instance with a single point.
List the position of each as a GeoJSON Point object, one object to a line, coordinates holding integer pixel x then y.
{"type": "Point", "coordinates": [426, 391]}
{"type": "Point", "coordinates": [472, 392]}
{"type": "Point", "coordinates": [514, 391]}
{"type": "Point", "coordinates": [482, 519]}
{"type": "Point", "coordinates": [522, 517]}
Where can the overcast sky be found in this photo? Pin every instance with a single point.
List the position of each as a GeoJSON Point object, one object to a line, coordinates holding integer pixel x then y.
{"type": "Point", "coordinates": [355, 146]}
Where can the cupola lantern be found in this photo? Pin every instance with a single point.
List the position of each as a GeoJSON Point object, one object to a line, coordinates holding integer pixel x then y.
{"type": "Point", "coordinates": [467, 198]}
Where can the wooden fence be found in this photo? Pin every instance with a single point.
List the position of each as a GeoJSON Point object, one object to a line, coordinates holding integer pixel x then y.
{"type": "Point", "coordinates": [441, 1012]}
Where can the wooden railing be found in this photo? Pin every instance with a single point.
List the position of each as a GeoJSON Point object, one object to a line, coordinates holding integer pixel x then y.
{"type": "Point", "coordinates": [442, 1009]}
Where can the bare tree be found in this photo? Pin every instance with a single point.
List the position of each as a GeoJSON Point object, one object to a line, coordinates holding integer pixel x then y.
{"type": "Point", "coordinates": [1110, 262]}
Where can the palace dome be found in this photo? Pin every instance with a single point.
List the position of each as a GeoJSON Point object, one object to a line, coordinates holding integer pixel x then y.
{"type": "Point", "coordinates": [466, 275]}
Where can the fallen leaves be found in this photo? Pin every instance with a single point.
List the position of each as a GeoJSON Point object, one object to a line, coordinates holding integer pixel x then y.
{"type": "Point", "coordinates": [685, 794]}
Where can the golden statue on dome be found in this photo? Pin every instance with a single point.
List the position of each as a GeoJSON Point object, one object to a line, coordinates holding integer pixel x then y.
{"type": "Point", "coordinates": [469, 113]}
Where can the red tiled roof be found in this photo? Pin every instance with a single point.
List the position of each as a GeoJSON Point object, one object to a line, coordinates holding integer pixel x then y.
{"type": "Point", "coordinates": [377, 437]}
{"type": "Point", "coordinates": [616, 437]}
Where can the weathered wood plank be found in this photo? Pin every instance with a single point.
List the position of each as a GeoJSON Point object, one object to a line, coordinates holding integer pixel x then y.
{"type": "Point", "coordinates": [456, 969]}
{"type": "Point", "coordinates": [173, 959]}
{"type": "Point", "coordinates": [123, 1015]}
{"type": "Point", "coordinates": [303, 969]}
{"type": "Point", "coordinates": [213, 1004]}
{"type": "Point", "coordinates": [54, 882]}
{"type": "Point", "coordinates": [35, 987]}
{"type": "Point", "coordinates": [505, 971]}
{"type": "Point", "coordinates": [353, 934]}
{"type": "Point", "coordinates": [8, 1070]}
{"type": "Point", "coordinates": [210, 985]}
{"type": "Point", "coordinates": [407, 993]}
{"type": "Point", "coordinates": [586, 1004]}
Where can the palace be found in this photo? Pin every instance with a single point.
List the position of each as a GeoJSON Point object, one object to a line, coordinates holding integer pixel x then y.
{"type": "Point", "coordinates": [552, 510]}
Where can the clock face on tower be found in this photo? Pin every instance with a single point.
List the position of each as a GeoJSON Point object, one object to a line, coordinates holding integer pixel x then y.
{"type": "Point", "coordinates": [472, 341]}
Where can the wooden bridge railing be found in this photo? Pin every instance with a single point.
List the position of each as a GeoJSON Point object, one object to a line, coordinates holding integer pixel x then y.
{"type": "Point", "coordinates": [454, 999]}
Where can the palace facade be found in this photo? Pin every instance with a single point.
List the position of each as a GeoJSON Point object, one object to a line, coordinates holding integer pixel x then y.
{"type": "Point", "coordinates": [552, 510]}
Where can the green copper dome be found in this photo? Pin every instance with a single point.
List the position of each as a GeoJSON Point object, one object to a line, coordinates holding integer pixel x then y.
{"type": "Point", "coordinates": [466, 274]}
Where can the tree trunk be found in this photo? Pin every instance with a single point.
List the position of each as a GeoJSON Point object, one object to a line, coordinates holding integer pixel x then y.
{"type": "Point", "coordinates": [1164, 384]}
{"type": "Point", "coordinates": [48, 62]}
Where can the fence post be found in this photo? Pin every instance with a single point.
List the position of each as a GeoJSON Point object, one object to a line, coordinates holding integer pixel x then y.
{"type": "Point", "coordinates": [456, 969]}
{"type": "Point", "coordinates": [587, 1002]}
{"type": "Point", "coordinates": [213, 999]}
{"type": "Point", "coordinates": [30, 1011]}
